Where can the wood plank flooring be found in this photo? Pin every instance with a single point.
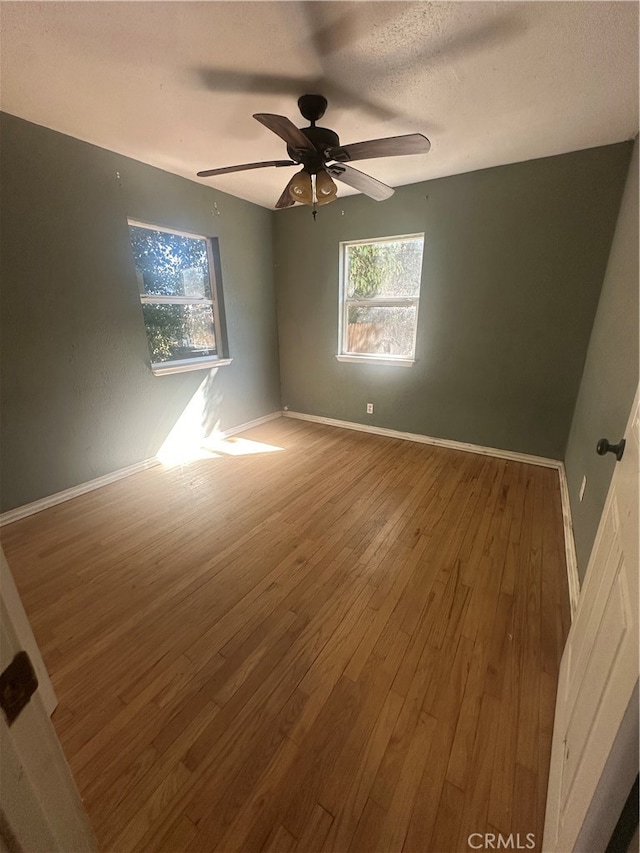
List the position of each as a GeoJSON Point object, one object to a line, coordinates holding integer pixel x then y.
{"type": "Point", "coordinates": [348, 644]}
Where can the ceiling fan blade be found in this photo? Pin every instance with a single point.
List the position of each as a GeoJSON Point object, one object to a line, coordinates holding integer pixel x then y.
{"type": "Point", "coordinates": [372, 187]}
{"type": "Point", "coordinates": [286, 199]}
{"type": "Point", "coordinates": [330, 36]}
{"type": "Point", "coordinates": [227, 169]}
{"type": "Point", "coordinates": [233, 80]}
{"type": "Point", "coordinates": [392, 146]}
{"type": "Point", "coordinates": [226, 80]}
{"type": "Point", "coordinates": [286, 130]}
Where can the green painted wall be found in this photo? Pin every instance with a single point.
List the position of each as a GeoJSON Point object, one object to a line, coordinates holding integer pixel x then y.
{"type": "Point", "coordinates": [513, 265]}
{"type": "Point", "coordinates": [514, 261]}
{"type": "Point", "coordinates": [610, 376]}
{"type": "Point", "coordinates": [78, 397]}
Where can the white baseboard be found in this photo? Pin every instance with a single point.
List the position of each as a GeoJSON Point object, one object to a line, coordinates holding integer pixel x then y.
{"type": "Point", "coordinates": [249, 425]}
{"type": "Point", "coordinates": [436, 442]}
{"type": "Point", "coordinates": [527, 459]}
{"type": "Point", "coordinates": [82, 488]}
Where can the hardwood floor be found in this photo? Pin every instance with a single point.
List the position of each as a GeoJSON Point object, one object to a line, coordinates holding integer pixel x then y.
{"type": "Point", "coordinates": [348, 644]}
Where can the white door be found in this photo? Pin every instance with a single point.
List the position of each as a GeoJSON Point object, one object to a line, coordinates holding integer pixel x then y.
{"type": "Point", "coordinates": [594, 757]}
{"type": "Point", "coordinates": [40, 808]}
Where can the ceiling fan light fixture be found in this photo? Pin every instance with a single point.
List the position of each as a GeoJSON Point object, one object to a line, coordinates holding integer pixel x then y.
{"type": "Point", "coordinates": [314, 147]}
{"type": "Point", "coordinates": [301, 189]}
{"type": "Point", "coordinates": [326, 189]}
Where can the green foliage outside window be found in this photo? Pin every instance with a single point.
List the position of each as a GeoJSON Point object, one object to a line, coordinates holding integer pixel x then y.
{"type": "Point", "coordinates": [164, 330]}
{"type": "Point", "coordinates": [170, 264]}
{"type": "Point", "coordinates": [376, 274]}
{"type": "Point", "coordinates": [390, 268]}
{"type": "Point", "coordinates": [174, 267]}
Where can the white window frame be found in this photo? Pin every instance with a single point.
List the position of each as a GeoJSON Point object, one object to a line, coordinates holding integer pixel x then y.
{"type": "Point", "coordinates": [201, 362]}
{"type": "Point", "coordinates": [389, 302]}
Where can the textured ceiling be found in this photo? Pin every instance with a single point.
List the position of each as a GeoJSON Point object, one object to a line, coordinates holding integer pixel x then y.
{"type": "Point", "coordinates": [174, 84]}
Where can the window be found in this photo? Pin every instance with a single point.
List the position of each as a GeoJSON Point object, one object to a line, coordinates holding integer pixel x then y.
{"type": "Point", "coordinates": [380, 290]}
{"type": "Point", "coordinates": [177, 285]}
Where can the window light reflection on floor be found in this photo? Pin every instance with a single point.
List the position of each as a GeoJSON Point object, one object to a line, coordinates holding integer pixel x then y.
{"type": "Point", "coordinates": [174, 455]}
{"type": "Point", "coordinates": [188, 440]}
{"type": "Point", "coordinates": [238, 446]}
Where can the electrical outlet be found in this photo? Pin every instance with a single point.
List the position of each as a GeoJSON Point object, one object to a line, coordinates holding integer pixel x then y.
{"type": "Point", "coordinates": [369, 408]}
{"type": "Point", "coordinates": [583, 486]}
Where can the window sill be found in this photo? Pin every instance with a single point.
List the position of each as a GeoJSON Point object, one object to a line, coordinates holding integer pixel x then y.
{"type": "Point", "coordinates": [188, 364]}
{"type": "Point", "coordinates": [376, 359]}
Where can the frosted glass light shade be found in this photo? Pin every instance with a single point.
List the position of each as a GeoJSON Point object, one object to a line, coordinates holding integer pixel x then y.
{"type": "Point", "coordinates": [326, 189]}
{"type": "Point", "coordinates": [301, 189]}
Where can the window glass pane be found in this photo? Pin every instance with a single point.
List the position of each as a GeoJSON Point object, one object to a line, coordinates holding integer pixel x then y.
{"type": "Point", "coordinates": [389, 268]}
{"type": "Point", "coordinates": [381, 331]}
{"type": "Point", "coordinates": [179, 331]}
{"type": "Point", "coordinates": [170, 264]}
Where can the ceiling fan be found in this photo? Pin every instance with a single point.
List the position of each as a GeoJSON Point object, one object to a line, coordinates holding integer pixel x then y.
{"type": "Point", "coordinates": [318, 151]}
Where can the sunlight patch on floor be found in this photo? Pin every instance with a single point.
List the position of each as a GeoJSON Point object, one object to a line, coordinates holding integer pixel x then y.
{"type": "Point", "coordinates": [196, 435]}
{"type": "Point", "coordinates": [239, 446]}
{"type": "Point", "coordinates": [183, 455]}
{"type": "Point", "coordinates": [185, 441]}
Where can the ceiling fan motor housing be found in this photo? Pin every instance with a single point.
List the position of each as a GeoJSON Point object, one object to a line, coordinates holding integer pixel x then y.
{"type": "Point", "coordinates": [312, 107]}
{"type": "Point", "coordinates": [322, 139]}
